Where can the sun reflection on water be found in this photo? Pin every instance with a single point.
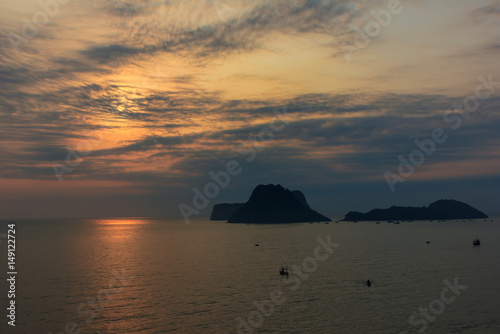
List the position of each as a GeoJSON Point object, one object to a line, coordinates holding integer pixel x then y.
{"type": "Point", "coordinates": [120, 229]}
{"type": "Point", "coordinates": [122, 221]}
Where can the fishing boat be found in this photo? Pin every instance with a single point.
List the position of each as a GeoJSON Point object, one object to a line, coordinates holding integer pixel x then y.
{"type": "Point", "coordinates": [476, 242]}
{"type": "Point", "coordinates": [284, 271]}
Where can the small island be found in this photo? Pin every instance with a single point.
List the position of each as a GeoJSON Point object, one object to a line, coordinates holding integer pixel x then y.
{"type": "Point", "coordinates": [439, 210]}
{"type": "Point", "coordinates": [223, 211]}
{"type": "Point", "coordinates": [269, 204]}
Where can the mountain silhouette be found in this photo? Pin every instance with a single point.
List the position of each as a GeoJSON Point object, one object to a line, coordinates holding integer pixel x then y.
{"type": "Point", "coordinates": [442, 209]}
{"type": "Point", "coordinates": [223, 211]}
{"type": "Point", "coordinates": [271, 204]}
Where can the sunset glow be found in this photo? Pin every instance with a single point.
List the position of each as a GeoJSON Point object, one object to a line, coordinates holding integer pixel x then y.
{"type": "Point", "coordinates": [155, 95]}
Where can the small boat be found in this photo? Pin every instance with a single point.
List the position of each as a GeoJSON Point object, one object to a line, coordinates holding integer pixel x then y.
{"type": "Point", "coordinates": [427, 242]}
{"type": "Point", "coordinates": [377, 223]}
{"type": "Point", "coordinates": [256, 245]}
{"type": "Point", "coordinates": [396, 223]}
{"type": "Point", "coordinates": [476, 242]}
{"type": "Point", "coordinates": [284, 271]}
{"type": "Point", "coordinates": [336, 222]}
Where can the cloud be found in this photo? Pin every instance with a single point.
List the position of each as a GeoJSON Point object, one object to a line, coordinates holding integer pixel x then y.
{"type": "Point", "coordinates": [101, 53]}
{"type": "Point", "coordinates": [209, 29]}
{"type": "Point", "coordinates": [492, 9]}
{"type": "Point", "coordinates": [66, 85]}
{"type": "Point", "coordinates": [150, 143]}
{"type": "Point", "coordinates": [358, 144]}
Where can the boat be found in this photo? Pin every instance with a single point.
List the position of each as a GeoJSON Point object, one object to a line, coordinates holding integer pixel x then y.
{"type": "Point", "coordinates": [476, 242]}
{"type": "Point", "coordinates": [284, 271]}
{"type": "Point", "coordinates": [396, 223]}
{"type": "Point", "coordinates": [427, 242]}
{"type": "Point", "coordinates": [377, 223]}
{"type": "Point", "coordinates": [256, 245]}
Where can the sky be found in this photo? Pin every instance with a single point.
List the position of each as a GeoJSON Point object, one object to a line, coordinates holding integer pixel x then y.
{"type": "Point", "coordinates": [132, 108]}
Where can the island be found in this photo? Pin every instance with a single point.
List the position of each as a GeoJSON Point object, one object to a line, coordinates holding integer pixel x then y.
{"type": "Point", "coordinates": [300, 196]}
{"type": "Point", "coordinates": [271, 204]}
{"type": "Point", "coordinates": [439, 210]}
{"type": "Point", "coordinates": [223, 211]}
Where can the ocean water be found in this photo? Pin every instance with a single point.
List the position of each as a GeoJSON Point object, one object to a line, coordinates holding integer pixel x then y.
{"type": "Point", "coordinates": [163, 276]}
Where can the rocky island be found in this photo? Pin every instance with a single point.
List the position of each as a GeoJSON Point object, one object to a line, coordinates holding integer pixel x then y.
{"type": "Point", "coordinates": [223, 211]}
{"type": "Point", "coordinates": [439, 210]}
{"type": "Point", "coordinates": [269, 204]}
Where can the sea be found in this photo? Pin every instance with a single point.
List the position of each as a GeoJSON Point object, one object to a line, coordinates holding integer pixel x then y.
{"type": "Point", "coordinates": [148, 275]}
